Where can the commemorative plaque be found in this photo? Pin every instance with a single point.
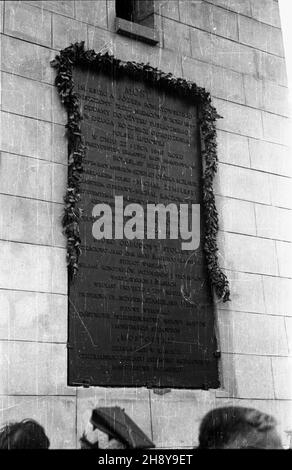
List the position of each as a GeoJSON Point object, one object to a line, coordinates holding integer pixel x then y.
{"type": "Point", "coordinates": [140, 309]}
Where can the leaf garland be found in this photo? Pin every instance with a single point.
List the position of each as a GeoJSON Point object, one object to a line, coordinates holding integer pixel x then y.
{"type": "Point", "coordinates": [76, 55]}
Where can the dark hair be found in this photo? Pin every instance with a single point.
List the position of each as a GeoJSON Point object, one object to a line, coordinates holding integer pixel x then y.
{"type": "Point", "coordinates": [26, 434]}
{"type": "Point", "coordinates": [222, 425]}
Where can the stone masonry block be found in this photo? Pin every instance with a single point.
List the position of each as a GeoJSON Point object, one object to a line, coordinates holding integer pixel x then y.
{"type": "Point", "coordinates": [242, 183]}
{"type": "Point", "coordinates": [233, 149]}
{"type": "Point", "coordinates": [277, 128]}
{"type": "Point", "coordinates": [239, 333]}
{"type": "Point", "coordinates": [239, 119]}
{"type": "Point", "coordinates": [59, 113]}
{"type": "Point", "coordinates": [273, 222]}
{"type": "Point", "coordinates": [92, 12]}
{"type": "Point", "coordinates": [32, 178]}
{"type": "Point", "coordinates": [67, 31]}
{"type": "Point", "coordinates": [176, 36]}
{"type": "Point", "coordinates": [282, 367]}
{"type": "Point", "coordinates": [288, 323]}
{"type": "Point", "coordinates": [33, 316]}
{"type": "Point", "coordinates": [26, 97]}
{"type": "Point", "coordinates": [169, 9]}
{"type": "Point", "coordinates": [247, 294]}
{"type": "Point", "coordinates": [278, 295]}
{"type": "Point", "coordinates": [221, 83]}
{"type": "Point", "coordinates": [267, 96]}
{"type": "Point", "coordinates": [266, 11]}
{"type": "Point", "coordinates": [1, 15]}
{"type": "Point", "coordinates": [247, 254]}
{"type": "Point", "coordinates": [270, 67]}
{"type": "Point", "coordinates": [33, 369]}
{"type": "Point", "coordinates": [28, 60]}
{"type": "Point", "coordinates": [31, 221]}
{"type": "Point", "coordinates": [208, 17]}
{"type": "Point", "coordinates": [58, 6]}
{"type": "Point", "coordinates": [260, 35]}
{"type": "Point", "coordinates": [270, 157]}
{"type": "Point", "coordinates": [236, 216]}
{"type": "Point", "coordinates": [27, 22]}
{"type": "Point", "coordinates": [239, 6]}
{"type": "Point", "coordinates": [33, 267]}
{"type": "Point", "coordinates": [26, 136]}
{"type": "Point", "coordinates": [281, 190]}
{"type": "Point", "coordinates": [284, 253]}
{"type": "Point", "coordinates": [249, 375]}
{"type": "Point", "coordinates": [222, 52]}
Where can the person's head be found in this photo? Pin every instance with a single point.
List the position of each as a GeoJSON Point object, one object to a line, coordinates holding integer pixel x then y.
{"type": "Point", "coordinates": [236, 427]}
{"type": "Point", "coordinates": [26, 434]}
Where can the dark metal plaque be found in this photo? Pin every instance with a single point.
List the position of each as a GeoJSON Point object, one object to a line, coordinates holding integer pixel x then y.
{"type": "Point", "coordinates": [141, 310]}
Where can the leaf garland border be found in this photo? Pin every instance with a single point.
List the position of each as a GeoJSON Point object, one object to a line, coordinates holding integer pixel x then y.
{"type": "Point", "coordinates": [77, 55]}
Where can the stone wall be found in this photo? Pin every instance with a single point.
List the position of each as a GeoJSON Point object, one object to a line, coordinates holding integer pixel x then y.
{"type": "Point", "coordinates": [234, 49]}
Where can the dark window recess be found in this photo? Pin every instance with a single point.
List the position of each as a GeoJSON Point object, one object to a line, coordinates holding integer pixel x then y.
{"type": "Point", "coordinates": [135, 18]}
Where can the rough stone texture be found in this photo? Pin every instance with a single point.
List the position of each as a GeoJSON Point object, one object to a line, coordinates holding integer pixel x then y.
{"type": "Point", "coordinates": [223, 52]}
{"type": "Point", "coordinates": [284, 253]}
{"type": "Point", "coordinates": [220, 82]}
{"type": "Point", "coordinates": [242, 183]}
{"type": "Point", "coordinates": [33, 267]}
{"type": "Point", "coordinates": [26, 97]}
{"type": "Point", "coordinates": [273, 222]}
{"type": "Point", "coordinates": [240, 334]}
{"type": "Point", "coordinates": [240, 119]}
{"type": "Point", "coordinates": [234, 49]}
{"type": "Point", "coordinates": [176, 37]}
{"type": "Point", "coordinates": [269, 157]}
{"type": "Point", "coordinates": [67, 31]}
{"type": "Point", "coordinates": [31, 221]}
{"type": "Point", "coordinates": [167, 8]}
{"type": "Point", "coordinates": [27, 60]}
{"type": "Point", "coordinates": [33, 316]}
{"type": "Point", "coordinates": [233, 149]}
{"type": "Point", "coordinates": [278, 295]}
{"type": "Point", "coordinates": [266, 11]}
{"type": "Point", "coordinates": [92, 12]}
{"type": "Point", "coordinates": [247, 293]}
{"type": "Point", "coordinates": [26, 22]}
{"type": "Point", "coordinates": [267, 96]}
{"type": "Point", "coordinates": [236, 215]}
{"type": "Point", "coordinates": [239, 6]}
{"type": "Point", "coordinates": [39, 179]}
{"type": "Point", "coordinates": [58, 6]}
{"type": "Point", "coordinates": [282, 377]}
{"type": "Point", "coordinates": [260, 36]}
{"type": "Point", "coordinates": [248, 376]}
{"type": "Point", "coordinates": [248, 254]}
{"type": "Point", "coordinates": [281, 188]}
{"type": "Point", "coordinates": [209, 18]}
{"type": "Point", "coordinates": [44, 365]}
{"type": "Point", "coordinates": [270, 67]}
